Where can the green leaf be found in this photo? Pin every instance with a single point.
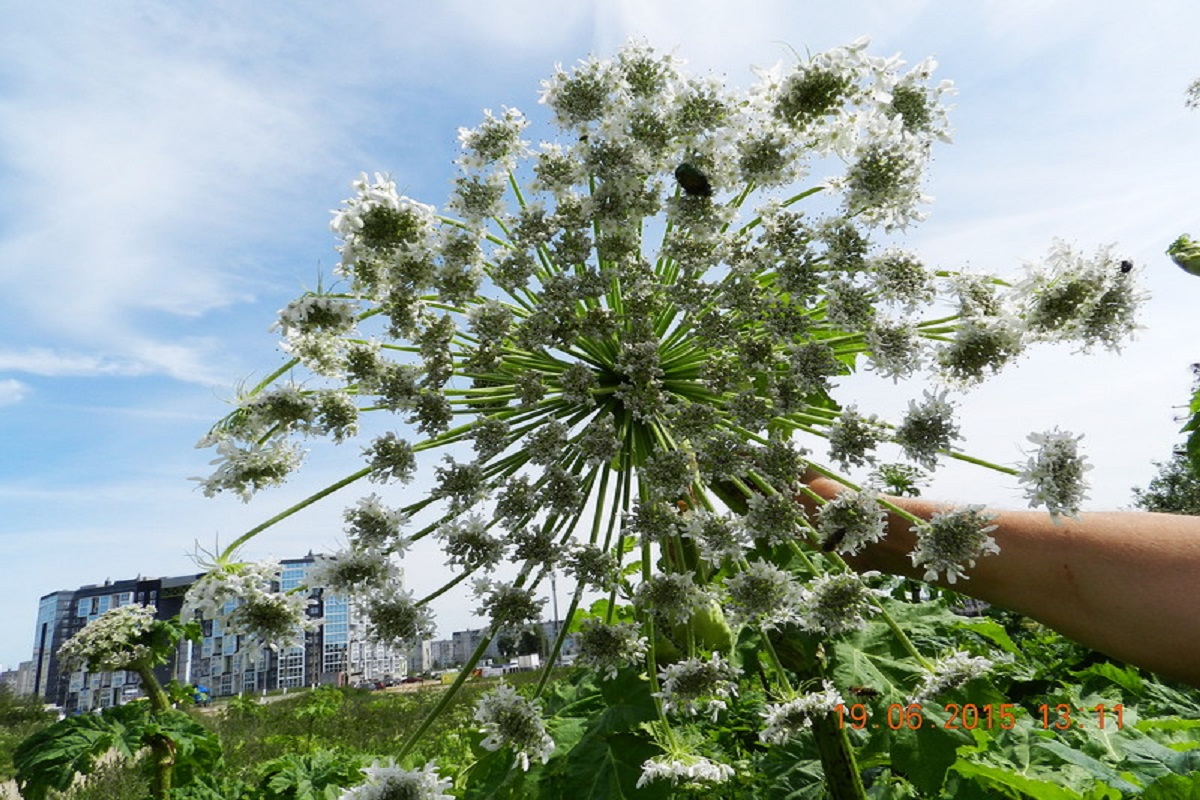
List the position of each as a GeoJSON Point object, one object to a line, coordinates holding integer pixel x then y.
{"type": "Point", "coordinates": [923, 756]}
{"type": "Point", "coordinates": [1000, 782]}
{"type": "Point", "coordinates": [306, 776]}
{"type": "Point", "coordinates": [496, 776]}
{"type": "Point", "coordinates": [1097, 769]}
{"type": "Point", "coordinates": [607, 766]}
{"type": "Point", "coordinates": [1174, 787]}
{"type": "Point", "coordinates": [607, 762]}
{"type": "Point", "coordinates": [1126, 678]}
{"type": "Point", "coordinates": [52, 757]}
{"type": "Point", "coordinates": [992, 631]}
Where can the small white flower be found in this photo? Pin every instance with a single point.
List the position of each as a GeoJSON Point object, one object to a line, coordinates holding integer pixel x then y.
{"type": "Point", "coordinates": [671, 597]}
{"type": "Point", "coordinates": [246, 470]}
{"type": "Point", "coordinates": [928, 428]}
{"type": "Point", "coordinates": [396, 618]}
{"type": "Point", "coordinates": [718, 537]}
{"type": "Point", "coordinates": [240, 596]}
{"type": "Point", "coordinates": [763, 594]}
{"type": "Point", "coordinates": [851, 521]}
{"type": "Point", "coordinates": [352, 571]}
{"type": "Point", "coordinates": [370, 523]}
{"type": "Point", "coordinates": [837, 603]}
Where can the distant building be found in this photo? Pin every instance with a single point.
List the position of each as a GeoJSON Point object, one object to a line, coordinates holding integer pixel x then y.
{"type": "Point", "coordinates": [442, 654]}
{"type": "Point", "coordinates": [19, 680]}
{"type": "Point", "coordinates": [337, 652]}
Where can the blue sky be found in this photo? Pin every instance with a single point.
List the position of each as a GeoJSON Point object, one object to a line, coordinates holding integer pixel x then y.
{"type": "Point", "coordinates": [167, 172]}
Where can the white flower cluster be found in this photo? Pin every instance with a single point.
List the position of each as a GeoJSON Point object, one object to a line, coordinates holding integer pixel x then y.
{"type": "Point", "coordinates": [111, 641]}
{"type": "Point", "coordinates": [608, 648]}
{"type": "Point", "coordinates": [834, 604]}
{"type": "Point", "coordinates": [396, 619]}
{"type": "Point", "coordinates": [243, 597]}
{"type": "Point", "coordinates": [952, 541]}
{"type": "Point", "coordinates": [763, 594]}
{"type": "Point", "coordinates": [851, 521]}
{"type": "Point", "coordinates": [1055, 473]}
{"type": "Point", "coordinates": [697, 686]}
{"type": "Point", "coordinates": [378, 218]}
{"type": "Point", "coordinates": [362, 570]}
{"type": "Point", "coordinates": [687, 771]}
{"type": "Point", "coordinates": [786, 720]}
{"type": "Point", "coordinates": [511, 721]}
{"type": "Point", "coordinates": [245, 470]}
{"type": "Point", "coordinates": [640, 310]}
{"type": "Point", "coordinates": [387, 781]}
{"type": "Point", "coordinates": [1072, 297]}
{"type": "Point", "coordinates": [949, 673]}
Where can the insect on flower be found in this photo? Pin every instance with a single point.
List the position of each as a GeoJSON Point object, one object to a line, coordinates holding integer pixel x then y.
{"type": "Point", "coordinates": [693, 181]}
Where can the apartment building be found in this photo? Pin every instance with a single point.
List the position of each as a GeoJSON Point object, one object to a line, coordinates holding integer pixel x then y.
{"type": "Point", "coordinates": [338, 652]}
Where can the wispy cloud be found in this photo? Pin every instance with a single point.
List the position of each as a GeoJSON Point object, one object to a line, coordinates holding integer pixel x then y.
{"type": "Point", "coordinates": [12, 392]}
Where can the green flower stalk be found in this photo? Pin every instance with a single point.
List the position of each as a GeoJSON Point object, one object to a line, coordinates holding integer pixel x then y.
{"type": "Point", "coordinates": [665, 290]}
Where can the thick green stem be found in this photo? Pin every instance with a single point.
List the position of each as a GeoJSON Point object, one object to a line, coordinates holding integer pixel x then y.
{"type": "Point", "coordinates": [842, 778]}
{"type": "Point", "coordinates": [162, 749]}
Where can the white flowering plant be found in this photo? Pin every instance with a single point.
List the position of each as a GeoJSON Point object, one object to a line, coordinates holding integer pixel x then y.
{"type": "Point", "coordinates": [170, 746]}
{"type": "Point", "coordinates": [616, 350]}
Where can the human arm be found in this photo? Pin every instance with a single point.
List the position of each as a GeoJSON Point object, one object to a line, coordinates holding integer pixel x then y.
{"type": "Point", "coordinates": [1124, 583]}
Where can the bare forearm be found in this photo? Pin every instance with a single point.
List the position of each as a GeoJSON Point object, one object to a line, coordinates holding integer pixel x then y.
{"type": "Point", "coordinates": [1123, 583]}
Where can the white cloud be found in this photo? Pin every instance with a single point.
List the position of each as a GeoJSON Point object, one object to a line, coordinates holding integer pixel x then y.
{"type": "Point", "coordinates": [55, 363]}
{"type": "Point", "coordinates": [191, 362]}
{"type": "Point", "coordinates": [12, 392]}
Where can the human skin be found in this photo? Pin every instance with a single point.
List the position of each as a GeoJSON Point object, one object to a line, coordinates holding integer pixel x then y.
{"type": "Point", "coordinates": [1124, 583]}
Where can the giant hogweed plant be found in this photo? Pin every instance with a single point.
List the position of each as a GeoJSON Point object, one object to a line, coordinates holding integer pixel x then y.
{"type": "Point", "coordinates": [616, 352]}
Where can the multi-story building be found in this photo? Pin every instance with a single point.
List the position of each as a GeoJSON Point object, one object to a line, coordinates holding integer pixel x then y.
{"type": "Point", "coordinates": [449, 653]}
{"type": "Point", "coordinates": [63, 614]}
{"type": "Point", "coordinates": [339, 651]}
{"type": "Point", "coordinates": [20, 680]}
{"type": "Point", "coordinates": [53, 612]}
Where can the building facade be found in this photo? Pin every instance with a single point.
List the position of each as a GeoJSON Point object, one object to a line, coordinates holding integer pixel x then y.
{"type": "Point", "coordinates": [337, 652]}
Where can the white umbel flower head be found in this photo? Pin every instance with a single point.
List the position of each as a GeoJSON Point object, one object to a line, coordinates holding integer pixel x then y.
{"type": "Point", "coordinates": [608, 648]}
{"type": "Point", "coordinates": [1055, 473]}
{"type": "Point", "coordinates": [763, 594]}
{"type": "Point", "coordinates": [687, 771]}
{"type": "Point", "coordinates": [509, 720]}
{"type": "Point", "coordinates": [949, 673]}
{"type": "Point", "coordinates": [785, 720]}
{"type": "Point", "coordinates": [111, 640]}
{"type": "Point", "coordinates": [952, 541]}
{"type": "Point", "coordinates": [851, 521]}
{"type": "Point", "coordinates": [838, 603]}
{"type": "Point", "coordinates": [696, 686]}
{"type": "Point", "coordinates": [387, 781]}
{"type": "Point", "coordinates": [240, 596]}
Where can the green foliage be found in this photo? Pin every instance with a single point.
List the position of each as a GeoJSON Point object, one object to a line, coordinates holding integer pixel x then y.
{"type": "Point", "coordinates": [20, 717]}
{"type": "Point", "coordinates": [1176, 487]}
{"type": "Point", "coordinates": [1192, 427]}
{"type": "Point", "coordinates": [308, 776]}
{"type": "Point", "coordinates": [54, 756]}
